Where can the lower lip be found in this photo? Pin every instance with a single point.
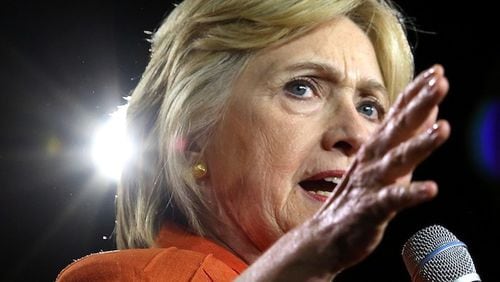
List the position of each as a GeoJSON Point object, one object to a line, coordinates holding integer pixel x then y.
{"type": "Point", "coordinates": [317, 197]}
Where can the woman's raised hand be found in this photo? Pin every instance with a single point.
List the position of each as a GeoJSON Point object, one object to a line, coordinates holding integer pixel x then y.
{"type": "Point", "coordinates": [378, 183]}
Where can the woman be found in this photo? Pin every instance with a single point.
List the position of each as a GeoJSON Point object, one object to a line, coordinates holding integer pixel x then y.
{"type": "Point", "coordinates": [267, 148]}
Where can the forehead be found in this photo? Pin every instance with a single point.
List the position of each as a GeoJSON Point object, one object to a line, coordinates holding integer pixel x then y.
{"type": "Point", "coordinates": [339, 43]}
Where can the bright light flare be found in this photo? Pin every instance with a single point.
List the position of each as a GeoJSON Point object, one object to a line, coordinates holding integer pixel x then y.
{"type": "Point", "coordinates": [111, 149]}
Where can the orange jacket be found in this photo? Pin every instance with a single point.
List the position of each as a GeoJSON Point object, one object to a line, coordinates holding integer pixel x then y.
{"type": "Point", "coordinates": [181, 256]}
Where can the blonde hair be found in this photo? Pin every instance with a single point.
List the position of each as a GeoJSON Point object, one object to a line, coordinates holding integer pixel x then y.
{"type": "Point", "coordinates": [196, 54]}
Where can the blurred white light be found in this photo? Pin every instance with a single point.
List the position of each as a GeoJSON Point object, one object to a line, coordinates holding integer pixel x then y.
{"type": "Point", "coordinates": [111, 149]}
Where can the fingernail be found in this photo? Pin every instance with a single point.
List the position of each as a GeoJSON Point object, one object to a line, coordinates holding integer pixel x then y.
{"type": "Point", "coordinates": [426, 191]}
{"type": "Point", "coordinates": [431, 82]}
{"type": "Point", "coordinates": [429, 72]}
{"type": "Point", "coordinates": [433, 129]}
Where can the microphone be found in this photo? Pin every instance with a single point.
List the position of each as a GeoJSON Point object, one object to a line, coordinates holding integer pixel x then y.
{"type": "Point", "coordinates": [435, 254]}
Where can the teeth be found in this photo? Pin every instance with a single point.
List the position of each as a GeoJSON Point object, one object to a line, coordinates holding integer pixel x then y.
{"type": "Point", "coordinates": [322, 193]}
{"type": "Point", "coordinates": [334, 179]}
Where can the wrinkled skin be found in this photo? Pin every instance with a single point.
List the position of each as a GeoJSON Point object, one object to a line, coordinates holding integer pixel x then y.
{"type": "Point", "coordinates": [350, 224]}
{"type": "Point", "coordinates": [377, 185]}
{"type": "Point", "coordinates": [291, 117]}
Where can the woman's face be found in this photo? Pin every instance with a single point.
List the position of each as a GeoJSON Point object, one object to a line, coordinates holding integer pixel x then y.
{"type": "Point", "coordinates": [298, 114]}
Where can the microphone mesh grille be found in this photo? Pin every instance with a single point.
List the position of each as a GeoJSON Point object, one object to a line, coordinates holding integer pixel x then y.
{"type": "Point", "coordinates": [448, 265]}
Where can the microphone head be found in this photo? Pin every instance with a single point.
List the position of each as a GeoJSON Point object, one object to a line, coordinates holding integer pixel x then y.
{"type": "Point", "coordinates": [435, 254]}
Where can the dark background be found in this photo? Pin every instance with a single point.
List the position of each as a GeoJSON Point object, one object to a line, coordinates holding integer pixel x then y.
{"type": "Point", "coordinates": [64, 66]}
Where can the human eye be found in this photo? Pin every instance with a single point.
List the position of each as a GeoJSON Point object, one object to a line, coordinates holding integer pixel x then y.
{"type": "Point", "coordinates": [371, 109]}
{"type": "Point", "coordinates": [300, 88]}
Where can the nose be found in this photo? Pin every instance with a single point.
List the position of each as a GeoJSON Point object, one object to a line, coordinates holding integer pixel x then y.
{"type": "Point", "coordinates": [346, 131]}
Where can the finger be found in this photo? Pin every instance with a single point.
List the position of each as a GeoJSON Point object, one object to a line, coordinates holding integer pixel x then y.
{"type": "Point", "coordinates": [422, 106]}
{"type": "Point", "coordinates": [403, 159]}
{"type": "Point", "coordinates": [381, 206]}
{"type": "Point", "coordinates": [406, 123]}
{"type": "Point", "coordinates": [414, 88]}
{"type": "Point", "coordinates": [395, 198]}
{"type": "Point", "coordinates": [398, 163]}
{"type": "Point", "coordinates": [431, 120]}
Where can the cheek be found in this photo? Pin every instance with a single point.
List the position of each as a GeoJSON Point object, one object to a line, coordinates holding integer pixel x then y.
{"type": "Point", "coordinates": [256, 162]}
{"type": "Point", "coordinates": [369, 131]}
{"type": "Point", "coordinates": [261, 142]}
{"type": "Point", "coordinates": [281, 147]}
{"type": "Point", "coordinates": [252, 162]}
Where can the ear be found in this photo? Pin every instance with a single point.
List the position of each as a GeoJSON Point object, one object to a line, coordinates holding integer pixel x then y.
{"type": "Point", "coordinates": [194, 156]}
{"type": "Point", "coordinates": [193, 151]}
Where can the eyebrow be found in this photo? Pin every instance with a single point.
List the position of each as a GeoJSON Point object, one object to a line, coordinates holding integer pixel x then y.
{"type": "Point", "coordinates": [336, 75]}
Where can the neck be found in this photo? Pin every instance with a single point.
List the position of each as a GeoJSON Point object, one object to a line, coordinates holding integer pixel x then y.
{"type": "Point", "coordinates": [231, 237]}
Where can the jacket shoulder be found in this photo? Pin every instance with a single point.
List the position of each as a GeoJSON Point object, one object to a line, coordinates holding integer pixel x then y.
{"type": "Point", "coordinates": [155, 264]}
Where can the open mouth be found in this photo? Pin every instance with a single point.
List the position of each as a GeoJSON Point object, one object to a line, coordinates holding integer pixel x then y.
{"type": "Point", "coordinates": [320, 189]}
